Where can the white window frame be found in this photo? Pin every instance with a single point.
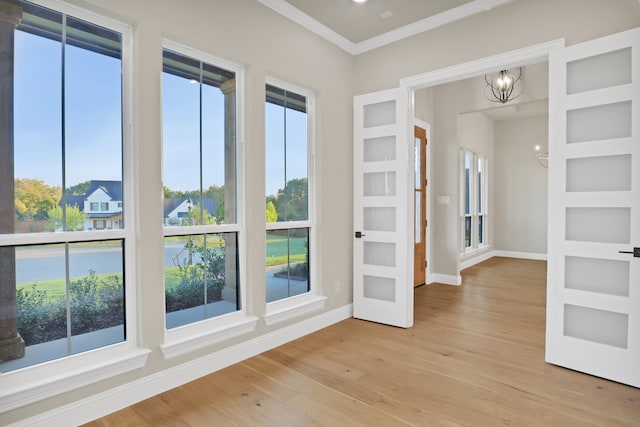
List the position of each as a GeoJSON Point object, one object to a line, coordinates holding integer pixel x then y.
{"type": "Point", "coordinates": [475, 213]}
{"type": "Point", "coordinates": [41, 381]}
{"type": "Point", "coordinates": [312, 301]}
{"type": "Point", "coordinates": [194, 336]}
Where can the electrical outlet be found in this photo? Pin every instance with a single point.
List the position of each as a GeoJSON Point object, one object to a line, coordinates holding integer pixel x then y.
{"type": "Point", "coordinates": [336, 286]}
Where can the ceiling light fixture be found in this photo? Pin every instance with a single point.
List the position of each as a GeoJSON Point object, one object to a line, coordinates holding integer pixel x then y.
{"type": "Point", "coordinates": [503, 86]}
{"type": "Point", "coordinates": [359, 1]}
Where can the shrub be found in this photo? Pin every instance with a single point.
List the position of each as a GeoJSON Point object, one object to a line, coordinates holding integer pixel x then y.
{"type": "Point", "coordinates": [95, 303]}
{"type": "Point", "coordinates": [189, 292]}
{"type": "Point", "coordinates": [39, 318]}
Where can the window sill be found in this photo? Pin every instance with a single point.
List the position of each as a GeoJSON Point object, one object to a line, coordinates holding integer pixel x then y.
{"type": "Point", "coordinates": [28, 385]}
{"type": "Point", "coordinates": [290, 308]}
{"type": "Point", "coordinates": [189, 338]}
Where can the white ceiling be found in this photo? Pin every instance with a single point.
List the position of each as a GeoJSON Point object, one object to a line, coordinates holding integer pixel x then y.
{"type": "Point", "coordinates": [359, 27]}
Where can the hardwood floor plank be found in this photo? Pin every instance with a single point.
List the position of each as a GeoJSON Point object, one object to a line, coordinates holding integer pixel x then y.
{"type": "Point", "coordinates": [475, 357]}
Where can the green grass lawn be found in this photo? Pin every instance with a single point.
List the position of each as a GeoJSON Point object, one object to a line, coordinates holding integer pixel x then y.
{"type": "Point", "coordinates": [277, 249]}
{"type": "Point", "coordinates": [276, 255]}
{"type": "Point", "coordinates": [57, 288]}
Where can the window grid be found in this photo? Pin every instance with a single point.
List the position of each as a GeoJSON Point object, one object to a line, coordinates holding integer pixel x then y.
{"type": "Point", "coordinates": [81, 280]}
{"type": "Point", "coordinates": [202, 278]}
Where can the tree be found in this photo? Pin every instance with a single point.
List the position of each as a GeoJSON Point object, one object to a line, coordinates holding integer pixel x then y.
{"type": "Point", "coordinates": [74, 221]}
{"type": "Point", "coordinates": [293, 201]}
{"type": "Point", "coordinates": [271, 213]}
{"type": "Point", "coordinates": [78, 189]}
{"type": "Point", "coordinates": [199, 216]}
{"type": "Point", "coordinates": [216, 193]}
{"type": "Point", "coordinates": [34, 198]}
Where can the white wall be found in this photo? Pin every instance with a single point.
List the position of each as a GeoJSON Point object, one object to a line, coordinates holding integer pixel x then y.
{"type": "Point", "coordinates": [520, 190]}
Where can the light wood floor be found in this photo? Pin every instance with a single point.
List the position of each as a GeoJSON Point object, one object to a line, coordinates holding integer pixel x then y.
{"type": "Point", "coordinates": [475, 358]}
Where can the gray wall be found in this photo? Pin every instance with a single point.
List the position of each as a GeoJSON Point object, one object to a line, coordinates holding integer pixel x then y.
{"type": "Point", "coordinates": [520, 188]}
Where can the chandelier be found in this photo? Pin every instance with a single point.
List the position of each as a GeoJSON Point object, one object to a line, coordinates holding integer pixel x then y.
{"type": "Point", "coordinates": [504, 85]}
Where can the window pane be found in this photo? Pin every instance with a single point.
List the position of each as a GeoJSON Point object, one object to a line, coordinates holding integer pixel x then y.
{"type": "Point", "coordinates": [199, 158]}
{"type": "Point", "coordinates": [467, 232]}
{"type": "Point", "coordinates": [92, 130]}
{"type": "Point", "coordinates": [69, 298]}
{"type": "Point", "coordinates": [480, 183]}
{"type": "Point", "coordinates": [468, 158]}
{"type": "Point", "coordinates": [418, 163]}
{"type": "Point", "coordinates": [37, 130]}
{"type": "Point", "coordinates": [201, 277]}
{"type": "Point", "coordinates": [286, 145]}
{"type": "Point", "coordinates": [67, 129]}
{"type": "Point", "coordinates": [287, 264]}
{"type": "Point", "coordinates": [480, 229]}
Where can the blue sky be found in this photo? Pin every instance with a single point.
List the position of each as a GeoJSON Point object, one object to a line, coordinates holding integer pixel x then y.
{"type": "Point", "coordinates": [92, 124]}
{"type": "Point", "coordinates": [92, 130]}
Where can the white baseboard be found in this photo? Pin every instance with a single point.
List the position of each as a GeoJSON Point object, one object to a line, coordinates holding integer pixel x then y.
{"type": "Point", "coordinates": [473, 260]}
{"type": "Point", "coordinates": [445, 279]}
{"type": "Point", "coordinates": [112, 400]}
{"type": "Point", "coordinates": [523, 255]}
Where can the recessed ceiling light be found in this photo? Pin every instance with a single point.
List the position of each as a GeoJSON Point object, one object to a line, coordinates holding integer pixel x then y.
{"type": "Point", "coordinates": [359, 1]}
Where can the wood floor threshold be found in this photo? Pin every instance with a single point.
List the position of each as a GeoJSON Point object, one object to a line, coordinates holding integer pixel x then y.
{"type": "Point", "coordinates": [475, 357]}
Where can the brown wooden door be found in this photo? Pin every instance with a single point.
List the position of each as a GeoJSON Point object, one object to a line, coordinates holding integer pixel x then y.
{"type": "Point", "coordinates": [420, 206]}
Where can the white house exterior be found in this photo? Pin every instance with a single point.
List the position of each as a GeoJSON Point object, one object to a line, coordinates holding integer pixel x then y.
{"type": "Point", "coordinates": [102, 203]}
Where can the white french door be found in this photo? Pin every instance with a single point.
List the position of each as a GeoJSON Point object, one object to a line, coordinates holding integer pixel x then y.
{"type": "Point", "coordinates": [382, 250]}
{"type": "Point", "coordinates": [593, 290]}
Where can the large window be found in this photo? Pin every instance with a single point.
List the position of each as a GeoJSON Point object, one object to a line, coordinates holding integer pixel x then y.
{"type": "Point", "coordinates": [200, 191]}
{"type": "Point", "coordinates": [287, 192]}
{"type": "Point", "coordinates": [473, 203]}
{"type": "Point", "coordinates": [62, 282]}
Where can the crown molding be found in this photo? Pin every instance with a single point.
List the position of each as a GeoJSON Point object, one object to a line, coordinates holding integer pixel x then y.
{"type": "Point", "coordinates": [438, 20]}
{"type": "Point", "coordinates": [301, 18]}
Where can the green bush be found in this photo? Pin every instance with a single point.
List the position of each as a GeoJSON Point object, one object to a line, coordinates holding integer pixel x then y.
{"type": "Point", "coordinates": [95, 303]}
{"type": "Point", "coordinates": [39, 318]}
{"type": "Point", "coordinates": [189, 292]}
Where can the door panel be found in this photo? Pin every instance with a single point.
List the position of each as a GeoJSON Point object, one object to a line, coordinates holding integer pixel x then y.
{"type": "Point", "coordinates": [381, 289]}
{"type": "Point", "coordinates": [593, 290]}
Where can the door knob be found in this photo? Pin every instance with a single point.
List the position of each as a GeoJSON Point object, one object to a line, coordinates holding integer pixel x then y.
{"type": "Point", "coordinates": [635, 252]}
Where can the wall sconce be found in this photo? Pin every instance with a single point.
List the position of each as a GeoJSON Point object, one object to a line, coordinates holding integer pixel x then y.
{"type": "Point", "coordinates": [503, 86]}
{"type": "Point", "coordinates": [542, 158]}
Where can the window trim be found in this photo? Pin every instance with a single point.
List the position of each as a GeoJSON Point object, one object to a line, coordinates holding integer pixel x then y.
{"type": "Point", "coordinates": [188, 338]}
{"type": "Point", "coordinates": [299, 305]}
{"type": "Point", "coordinates": [41, 381]}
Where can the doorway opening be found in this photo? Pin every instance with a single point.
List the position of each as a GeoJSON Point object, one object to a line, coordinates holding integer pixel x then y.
{"type": "Point", "coordinates": [421, 204]}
